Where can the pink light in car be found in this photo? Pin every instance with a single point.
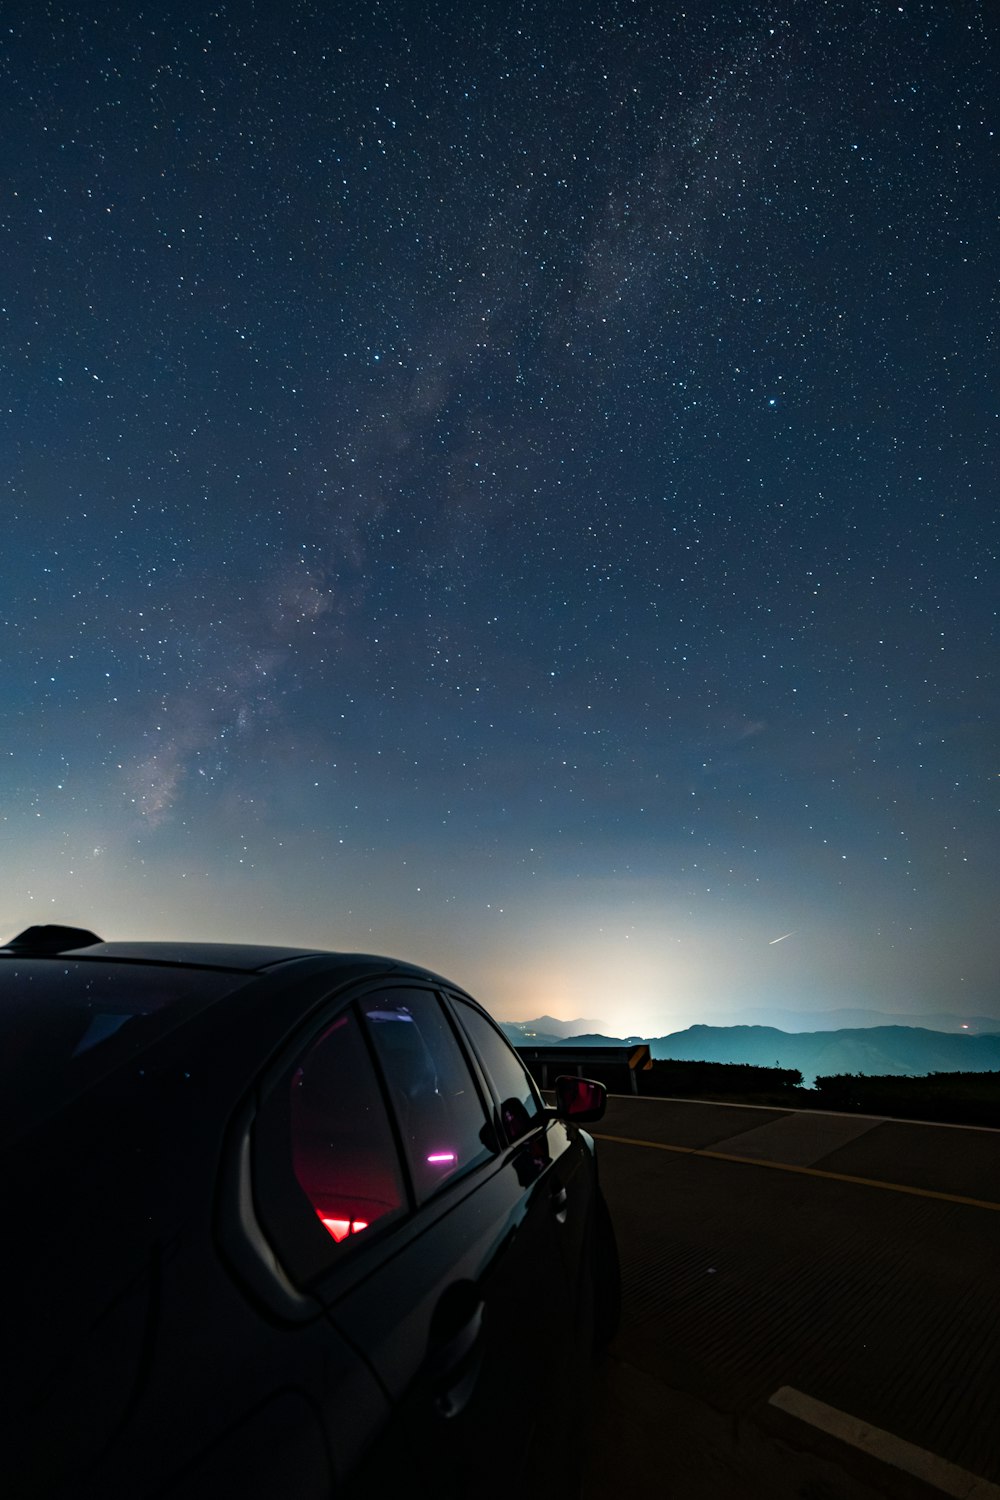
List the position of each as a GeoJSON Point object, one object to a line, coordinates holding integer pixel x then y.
{"type": "Point", "coordinates": [341, 1228]}
{"type": "Point", "coordinates": [438, 1158]}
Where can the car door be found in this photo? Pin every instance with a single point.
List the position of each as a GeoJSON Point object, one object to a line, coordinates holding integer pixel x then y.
{"type": "Point", "coordinates": [572, 1173]}
{"type": "Point", "coordinates": [433, 1244]}
{"type": "Point", "coordinates": [454, 1322]}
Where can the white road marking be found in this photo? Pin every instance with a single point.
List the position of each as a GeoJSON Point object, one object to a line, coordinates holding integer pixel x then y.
{"type": "Point", "coordinates": [885, 1446]}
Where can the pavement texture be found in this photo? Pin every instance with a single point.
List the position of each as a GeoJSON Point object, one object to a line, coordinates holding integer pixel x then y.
{"type": "Point", "coordinates": [751, 1267]}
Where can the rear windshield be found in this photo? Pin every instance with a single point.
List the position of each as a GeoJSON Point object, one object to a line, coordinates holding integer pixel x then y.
{"type": "Point", "coordinates": [64, 1023]}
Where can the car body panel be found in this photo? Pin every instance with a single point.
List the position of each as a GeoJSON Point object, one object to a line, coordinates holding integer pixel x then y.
{"type": "Point", "coordinates": [497, 1252]}
{"type": "Point", "coordinates": [157, 1334]}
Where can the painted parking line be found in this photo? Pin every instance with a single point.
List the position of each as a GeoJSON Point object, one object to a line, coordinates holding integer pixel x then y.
{"type": "Point", "coordinates": [885, 1446]}
{"type": "Point", "coordinates": [784, 1166]}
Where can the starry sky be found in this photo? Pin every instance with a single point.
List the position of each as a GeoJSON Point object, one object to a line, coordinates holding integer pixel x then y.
{"type": "Point", "coordinates": [511, 486]}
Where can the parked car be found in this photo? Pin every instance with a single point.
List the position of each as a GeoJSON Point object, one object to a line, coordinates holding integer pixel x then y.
{"type": "Point", "coordinates": [285, 1223]}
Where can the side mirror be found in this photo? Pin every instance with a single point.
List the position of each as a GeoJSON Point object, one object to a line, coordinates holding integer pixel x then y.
{"type": "Point", "coordinates": [580, 1099]}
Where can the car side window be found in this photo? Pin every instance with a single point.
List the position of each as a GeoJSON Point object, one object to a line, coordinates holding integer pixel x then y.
{"type": "Point", "coordinates": [326, 1163]}
{"type": "Point", "coordinates": [343, 1153]}
{"type": "Point", "coordinates": [520, 1104]}
{"type": "Point", "coordinates": [444, 1124]}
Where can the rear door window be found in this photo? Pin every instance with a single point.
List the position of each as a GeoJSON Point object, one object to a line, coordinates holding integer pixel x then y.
{"type": "Point", "coordinates": [375, 1115]}
{"type": "Point", "coordinates": [443, 1121]}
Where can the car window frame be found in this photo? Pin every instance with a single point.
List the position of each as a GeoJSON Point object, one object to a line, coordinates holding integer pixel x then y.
{"type": "Point", "coordinates": [358, 1255]}
{"type": "Point", "coordinates": [275, 1183]}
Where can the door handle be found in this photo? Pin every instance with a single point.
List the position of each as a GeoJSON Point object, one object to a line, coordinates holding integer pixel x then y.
{"type": "Point", "coordinates": [459, 1363]}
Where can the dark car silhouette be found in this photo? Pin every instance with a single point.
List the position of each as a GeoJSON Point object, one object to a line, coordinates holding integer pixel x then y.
{"type": "Point", "coordinates": [285, 1223]}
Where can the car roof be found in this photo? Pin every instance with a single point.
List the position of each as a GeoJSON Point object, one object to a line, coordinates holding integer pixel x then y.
{"type": "Point", "coordinates": [246, 958]}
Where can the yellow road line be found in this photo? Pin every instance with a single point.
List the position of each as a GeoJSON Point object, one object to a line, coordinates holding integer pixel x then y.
{"type": "Point", "coordinates": [784, 1166]}
{"type": "Point", "coordinates": [885, 1446]}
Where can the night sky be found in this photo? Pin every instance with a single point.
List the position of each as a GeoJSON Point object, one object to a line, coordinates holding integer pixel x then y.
{"type": "Point", "coordinates": [512, 486]}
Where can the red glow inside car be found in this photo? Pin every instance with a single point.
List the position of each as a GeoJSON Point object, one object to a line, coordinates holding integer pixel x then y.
{"type": "Point", "coordinates": [341, 1228]}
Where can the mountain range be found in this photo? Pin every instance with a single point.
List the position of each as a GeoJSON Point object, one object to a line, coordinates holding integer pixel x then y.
{"type": "Point", "coordinates": [874, 1050]}
{"type": "Point", "coordinates": [548, 1026]}
{"type": "Point", "coordinates": [847, 1020]}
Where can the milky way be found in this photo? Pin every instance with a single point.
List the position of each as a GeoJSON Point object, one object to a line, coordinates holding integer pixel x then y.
{"type": "Point", "coordinates": [509, 486]}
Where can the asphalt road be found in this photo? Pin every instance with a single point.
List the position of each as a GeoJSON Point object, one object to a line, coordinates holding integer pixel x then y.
{"type": "Point", "coordinates": [811, 1306]}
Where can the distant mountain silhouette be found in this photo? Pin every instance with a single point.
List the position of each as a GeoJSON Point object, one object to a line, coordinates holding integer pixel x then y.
{"type": "Point", "coordinates": [908, 1051]}
{"type": "Point", "coordinates": [854, 1019]}
{"type": "Point", "coordinates": [548, 1026]}
{"type": "Point", "coordinates": [901, 1050]}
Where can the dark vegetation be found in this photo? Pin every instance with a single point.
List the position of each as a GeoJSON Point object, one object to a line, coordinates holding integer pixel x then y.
{"type": "Point", "coordinates": [672, 1076]}
{"type": "Point", "coordinates": [952, 1098]}
{"type": "Point", "coordinates": [956, 1098]}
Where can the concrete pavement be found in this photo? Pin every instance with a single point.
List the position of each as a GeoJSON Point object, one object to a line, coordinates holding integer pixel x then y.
{"type": "Point", "coordinates": [851, 1261]}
